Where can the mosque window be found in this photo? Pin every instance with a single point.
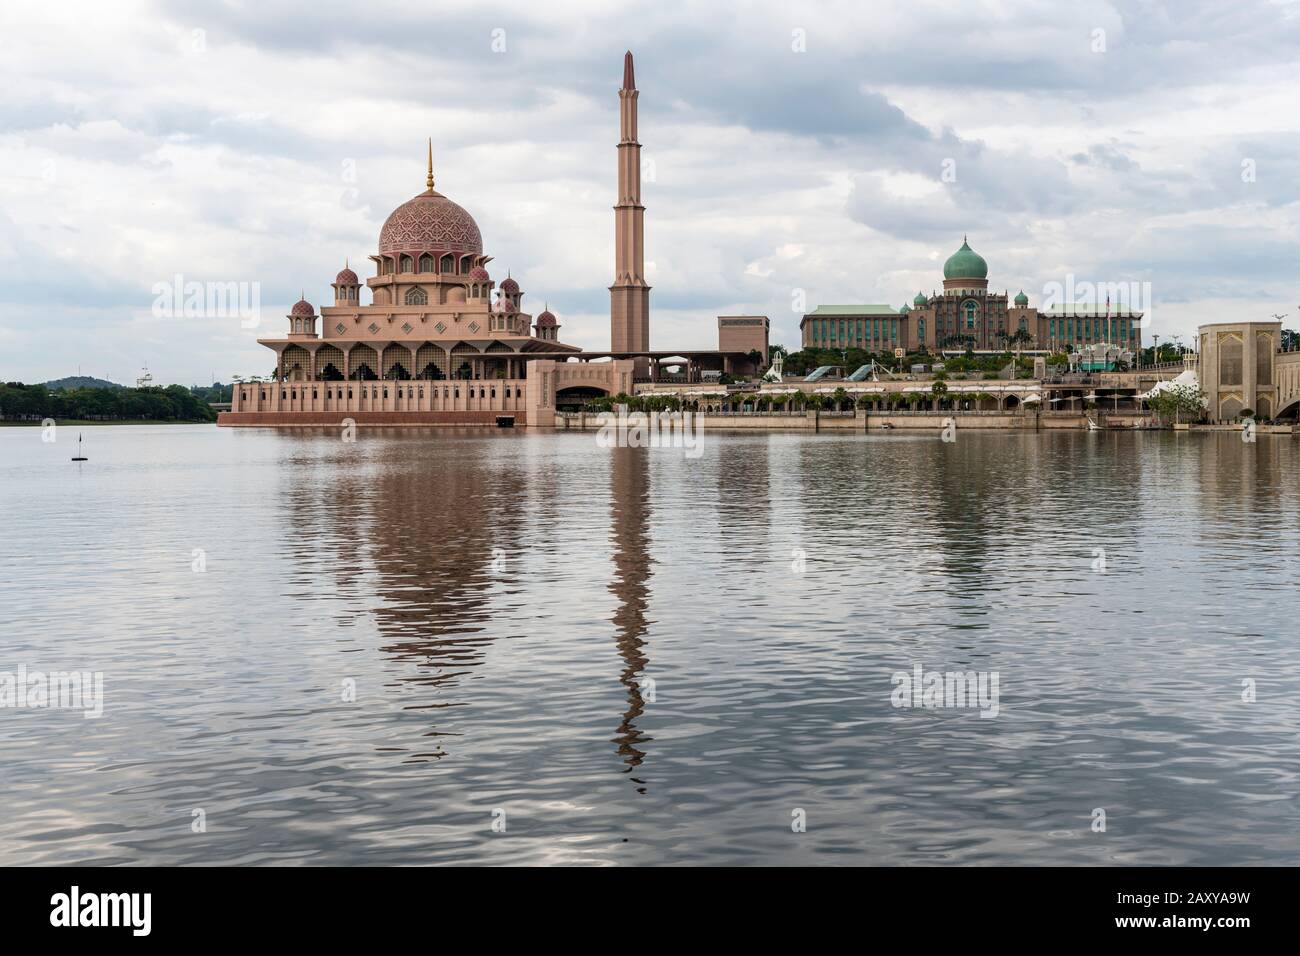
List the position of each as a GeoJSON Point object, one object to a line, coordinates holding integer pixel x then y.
{"type": "Point", "coordinates": [406, 264]}
{"type": "Point", "coordinates": [920, 329]}
{"type": "Point", "coordinates": [971, 311]}
{"type": "Point", "coordinates": [1230, 360]}
{"type": "Point", "coordinates": [426, 263]}
{"type": "Point", "coordinates": [340, 328]}
{"type": "Point", "coordinates": [373, 328]}
{"type": "Point", "coordinates": [407, 327]}
{"type": "Point", "coordinates": [416, 296]}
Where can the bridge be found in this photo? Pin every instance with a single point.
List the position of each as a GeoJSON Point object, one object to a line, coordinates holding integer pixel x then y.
{"type": "Point", "coordinates": [1287, 367]}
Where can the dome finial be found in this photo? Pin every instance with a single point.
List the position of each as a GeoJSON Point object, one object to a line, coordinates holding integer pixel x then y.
{"type": "Point", "coordinates": [429, 180]}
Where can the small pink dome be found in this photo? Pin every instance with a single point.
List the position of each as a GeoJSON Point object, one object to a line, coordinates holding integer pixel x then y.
{"type": "Point", "coordinates": [546, 320]}
{"type": "Point", "coordinates": [480, 274]}
{"type": "Point", "coordinates": [510, 286]}
{"type": "Point", "coordinates": [302, 307]}
{"type": "Point", "coordinates": [346, 277]}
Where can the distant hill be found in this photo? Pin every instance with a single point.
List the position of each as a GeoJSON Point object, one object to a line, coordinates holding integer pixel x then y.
{"type": "Point", "coordinates": [81, 381]}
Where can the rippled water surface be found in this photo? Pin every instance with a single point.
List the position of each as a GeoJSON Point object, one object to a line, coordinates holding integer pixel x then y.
{"type": "Point", "coordinates": [610, 652]}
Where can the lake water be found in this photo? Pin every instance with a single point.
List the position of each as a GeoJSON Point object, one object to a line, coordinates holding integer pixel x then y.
{"type": "Point", "coordinates": [633, 657]}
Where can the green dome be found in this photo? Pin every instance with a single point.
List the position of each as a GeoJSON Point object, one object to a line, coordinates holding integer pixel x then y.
{"type": "Point", "coordinates": [920, 300]}
{"type": "Point", "coordinates": [904, 310]}
{"type": "Point", "coordinates": [1021, 298]}
{"type": "Point", "coordinates": [965, 263]}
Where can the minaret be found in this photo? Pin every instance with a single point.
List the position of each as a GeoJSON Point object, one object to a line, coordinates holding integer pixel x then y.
{"type": "Point", "coordinates": [629, 296]}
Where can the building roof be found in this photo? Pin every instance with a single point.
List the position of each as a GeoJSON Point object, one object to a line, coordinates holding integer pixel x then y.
{"type": "Point", "coordinates": [1117, 311]}
{"type": "Point", "coordinates": [836, 310]}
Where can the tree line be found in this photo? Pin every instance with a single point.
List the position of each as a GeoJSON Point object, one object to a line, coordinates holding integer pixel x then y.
{"type": "Point", "coordinates": [175, 403]}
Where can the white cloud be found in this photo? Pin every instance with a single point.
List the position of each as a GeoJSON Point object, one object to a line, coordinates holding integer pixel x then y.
{"type": "Point", "coordinates": [140, 140]}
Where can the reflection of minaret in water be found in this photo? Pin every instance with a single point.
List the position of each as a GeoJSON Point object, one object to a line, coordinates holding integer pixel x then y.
{"type": "Point", "coordinates": [629, 296]}
{"type": "Point", "coordinates": [630, 517]}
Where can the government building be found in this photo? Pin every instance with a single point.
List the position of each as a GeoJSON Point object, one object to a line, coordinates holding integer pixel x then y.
{"type": "Point", "coordinates": [966, 315]}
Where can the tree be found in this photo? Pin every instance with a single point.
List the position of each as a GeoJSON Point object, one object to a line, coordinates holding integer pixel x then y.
{"type": "Point", "coordinates": [1177, 400]}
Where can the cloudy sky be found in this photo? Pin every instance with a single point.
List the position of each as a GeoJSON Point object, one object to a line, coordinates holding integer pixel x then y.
{"type": "Point", "coordinates": [794, 153]}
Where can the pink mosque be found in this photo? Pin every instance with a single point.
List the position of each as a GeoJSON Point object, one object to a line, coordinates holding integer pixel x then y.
{"type": "Point", "coordinates": [441, 343]}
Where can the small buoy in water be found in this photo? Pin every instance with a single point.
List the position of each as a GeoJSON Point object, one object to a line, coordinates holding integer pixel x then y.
{"type": "Point", "coordinates": [79, 456]}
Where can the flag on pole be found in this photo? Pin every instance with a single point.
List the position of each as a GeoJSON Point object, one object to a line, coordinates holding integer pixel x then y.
{"type": "Point", "coordinates": [1108, 322]}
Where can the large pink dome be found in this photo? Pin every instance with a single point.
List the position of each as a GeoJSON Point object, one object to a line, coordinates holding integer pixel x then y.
{"type": "Point", "coordinates": [430, 223]}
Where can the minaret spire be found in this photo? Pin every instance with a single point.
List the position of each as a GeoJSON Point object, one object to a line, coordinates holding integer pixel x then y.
{"type": "Point", "coordinates": [629, 296]}
{"type": "Point", "coordinates": [429, 180]}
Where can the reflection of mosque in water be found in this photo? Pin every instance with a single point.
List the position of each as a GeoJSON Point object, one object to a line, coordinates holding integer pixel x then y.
{"type": "Point", "coordinates": [421, 565]}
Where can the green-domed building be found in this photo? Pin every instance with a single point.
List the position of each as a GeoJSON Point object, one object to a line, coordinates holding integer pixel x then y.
{"type": "Point", "coordinates": [966, 315]}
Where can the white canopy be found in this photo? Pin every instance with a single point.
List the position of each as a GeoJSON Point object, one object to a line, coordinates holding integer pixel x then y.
{"type": "Point", "coordinates": [1185, 378]}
